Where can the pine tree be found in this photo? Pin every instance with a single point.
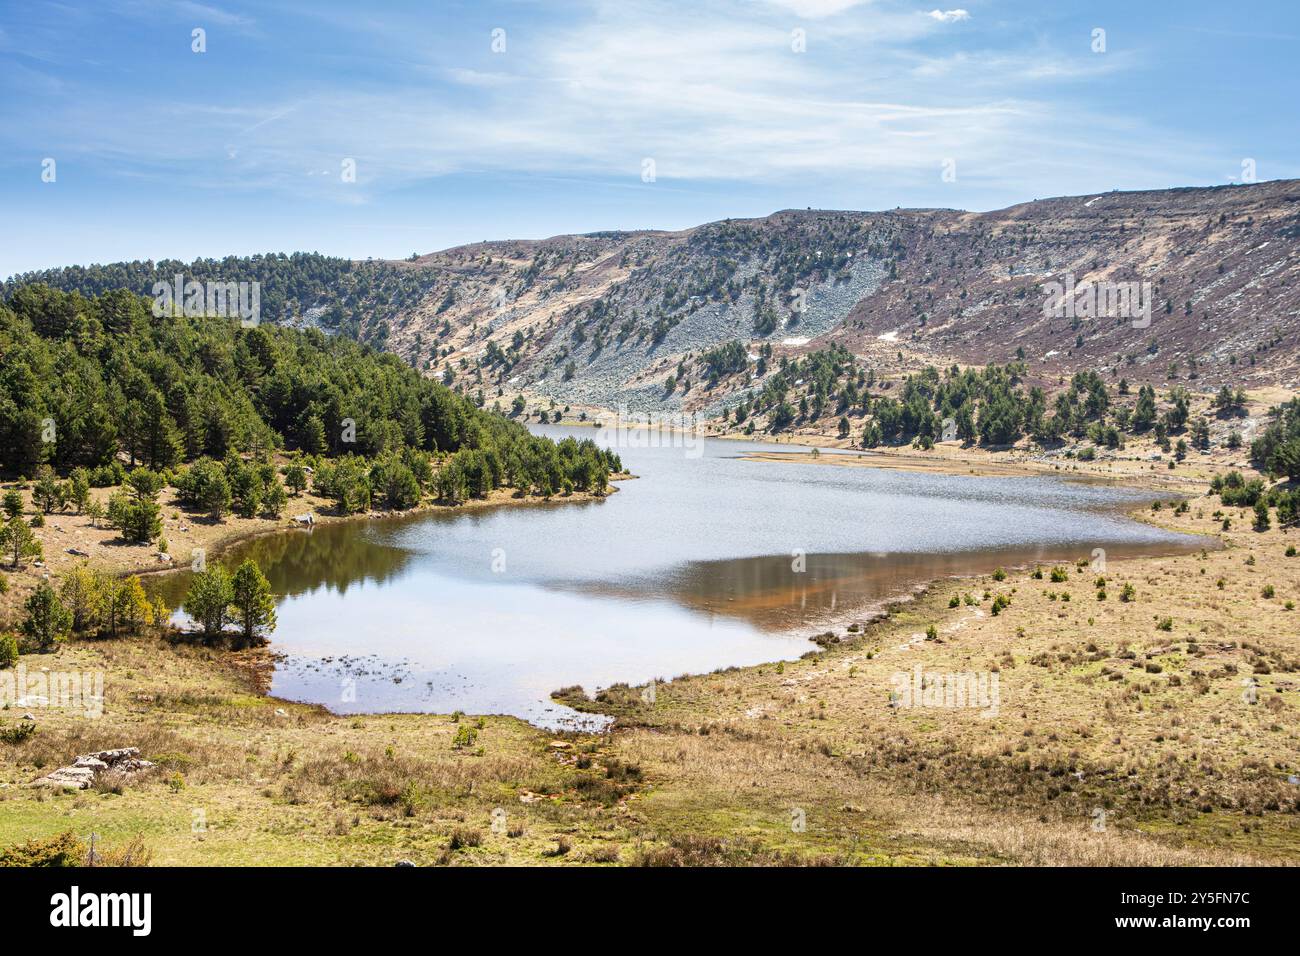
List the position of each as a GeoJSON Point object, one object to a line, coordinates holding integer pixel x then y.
{"type": "Point", "coordinates": [251, 599]}
{"type": "Point", "coordinates": [47, 620]}
{"type": "Point", "coordinates": [208, 600]}
{"type": "Point", "coordinates": [18, 541]}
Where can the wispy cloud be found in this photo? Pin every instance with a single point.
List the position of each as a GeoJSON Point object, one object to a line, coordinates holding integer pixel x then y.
{"type": "Point", "coordinates": [723, 91]}
{"type": "Point", "coordinates": [815, 9]}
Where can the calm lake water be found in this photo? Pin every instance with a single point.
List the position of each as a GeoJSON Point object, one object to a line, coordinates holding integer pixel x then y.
{"type": "Point", "coordinates": [687, 568]}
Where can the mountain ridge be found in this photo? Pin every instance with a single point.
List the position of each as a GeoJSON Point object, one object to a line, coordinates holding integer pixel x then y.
{"type": "Point", "coordinates": [614, 317]}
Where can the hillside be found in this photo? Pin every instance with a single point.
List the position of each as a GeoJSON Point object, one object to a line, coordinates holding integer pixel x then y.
{"type": "Point", "coordinates": [597, 320]}
{"type": "Point", "coordinates": [88, 383]}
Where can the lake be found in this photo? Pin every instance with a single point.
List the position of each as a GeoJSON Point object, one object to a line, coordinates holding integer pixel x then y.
{"type": "Point", "coordinates": [705, 560]}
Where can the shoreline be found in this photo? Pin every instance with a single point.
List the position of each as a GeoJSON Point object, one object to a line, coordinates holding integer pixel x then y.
{"type": "Point", "coordinates": [500, 498]}
{"type": "Point", "coordinates": [712, 755]}
{"type": "Point", "coordinates": [877, 612]}
{"type": "Point", "coordinates": [104, 549]}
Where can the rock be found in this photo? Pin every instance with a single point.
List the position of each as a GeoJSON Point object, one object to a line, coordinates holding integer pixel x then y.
{"type": "Point", "coordinates": [28, 717]}
{"type": "Point", "coordinates": [113, 756]}
{"type": "Point", "coordinates": [403, 863]}
{"type": "Point", "coordinates": [308, 519]}
{"type": "Point", "coordinates": [69, 778]}
{"type": "Point", "coordinates": [281, 712]}
{"type": "Point", "coordinates": [78, 552]}
{"type": "Point", "coordinates": [164, 557]}
{"type": "Point", "coordinates": [85, 769]}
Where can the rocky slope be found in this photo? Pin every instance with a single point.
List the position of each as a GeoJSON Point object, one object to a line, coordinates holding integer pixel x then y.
{"type": "Point", "coordinates": [606, 319]}
{"type": "Point", "coordinates": [599, 320]}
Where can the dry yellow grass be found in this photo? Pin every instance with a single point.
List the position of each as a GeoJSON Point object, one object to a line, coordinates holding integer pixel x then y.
{"type": "Point", "coordinates": [1099, 708]}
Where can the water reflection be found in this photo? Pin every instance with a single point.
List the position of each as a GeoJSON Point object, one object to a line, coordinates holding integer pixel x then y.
{"type": "Point", "coordinates": [699, 563]}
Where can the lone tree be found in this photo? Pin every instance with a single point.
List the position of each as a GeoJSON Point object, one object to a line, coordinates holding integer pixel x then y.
{"type": "Point", "coordinates": [208, 600]}
{"type": "Point", "coordinates": [47, 619]}
{"type": "Point", "coordinates": [251, 601]}
{"type": "Point", "coordinates": [18, 542]}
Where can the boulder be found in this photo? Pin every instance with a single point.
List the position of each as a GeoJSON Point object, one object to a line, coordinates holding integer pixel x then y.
{"type": "Point", "coordinates": [123, 762]}
{"type": "Point", "coordinates": [69, 778]}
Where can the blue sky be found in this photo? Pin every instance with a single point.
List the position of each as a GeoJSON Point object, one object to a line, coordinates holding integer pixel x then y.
{"type": "Point", "coordinates": [161, 151]}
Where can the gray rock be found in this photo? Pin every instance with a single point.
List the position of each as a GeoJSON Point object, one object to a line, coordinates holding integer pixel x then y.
{"type": "Point", "coordinates": [123, 762]}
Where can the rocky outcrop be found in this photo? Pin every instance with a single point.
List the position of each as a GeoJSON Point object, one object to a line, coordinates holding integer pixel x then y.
{"type": "Point", "coordinates": [82, 774]}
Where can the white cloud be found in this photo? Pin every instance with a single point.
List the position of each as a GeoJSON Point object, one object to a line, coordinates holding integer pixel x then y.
{"type": "Point", "coordinates": [948, 16]}
{"type": "Point", "coordinates": [715, 93]}
{"type": "Point", "coordinates": [816, 9]}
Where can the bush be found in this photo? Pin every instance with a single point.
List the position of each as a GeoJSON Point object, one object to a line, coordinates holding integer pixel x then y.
{"type": "Point", "coordinates": [65, 849]}
{"type": "Point", "coordinates": [17, 734]}
{"type": "Point", "coordinates": [13, 504]}
{"type": "Point", "coordinates": [463, 837]}
{"type": "Point", "coordinates": [8, 650]}
{"type": "Point", "coordinates": [1261, 516]}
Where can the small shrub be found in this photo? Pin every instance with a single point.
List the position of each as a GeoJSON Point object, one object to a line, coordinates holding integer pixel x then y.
{"type": "Point", "coordinates": [64, 849]}
{"type": "Point", "coordinates": [463, 837]}
{"type": "Point", "coordinates": [19, 733]}
{"type": "Point", "coordinates": [562, 846]}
